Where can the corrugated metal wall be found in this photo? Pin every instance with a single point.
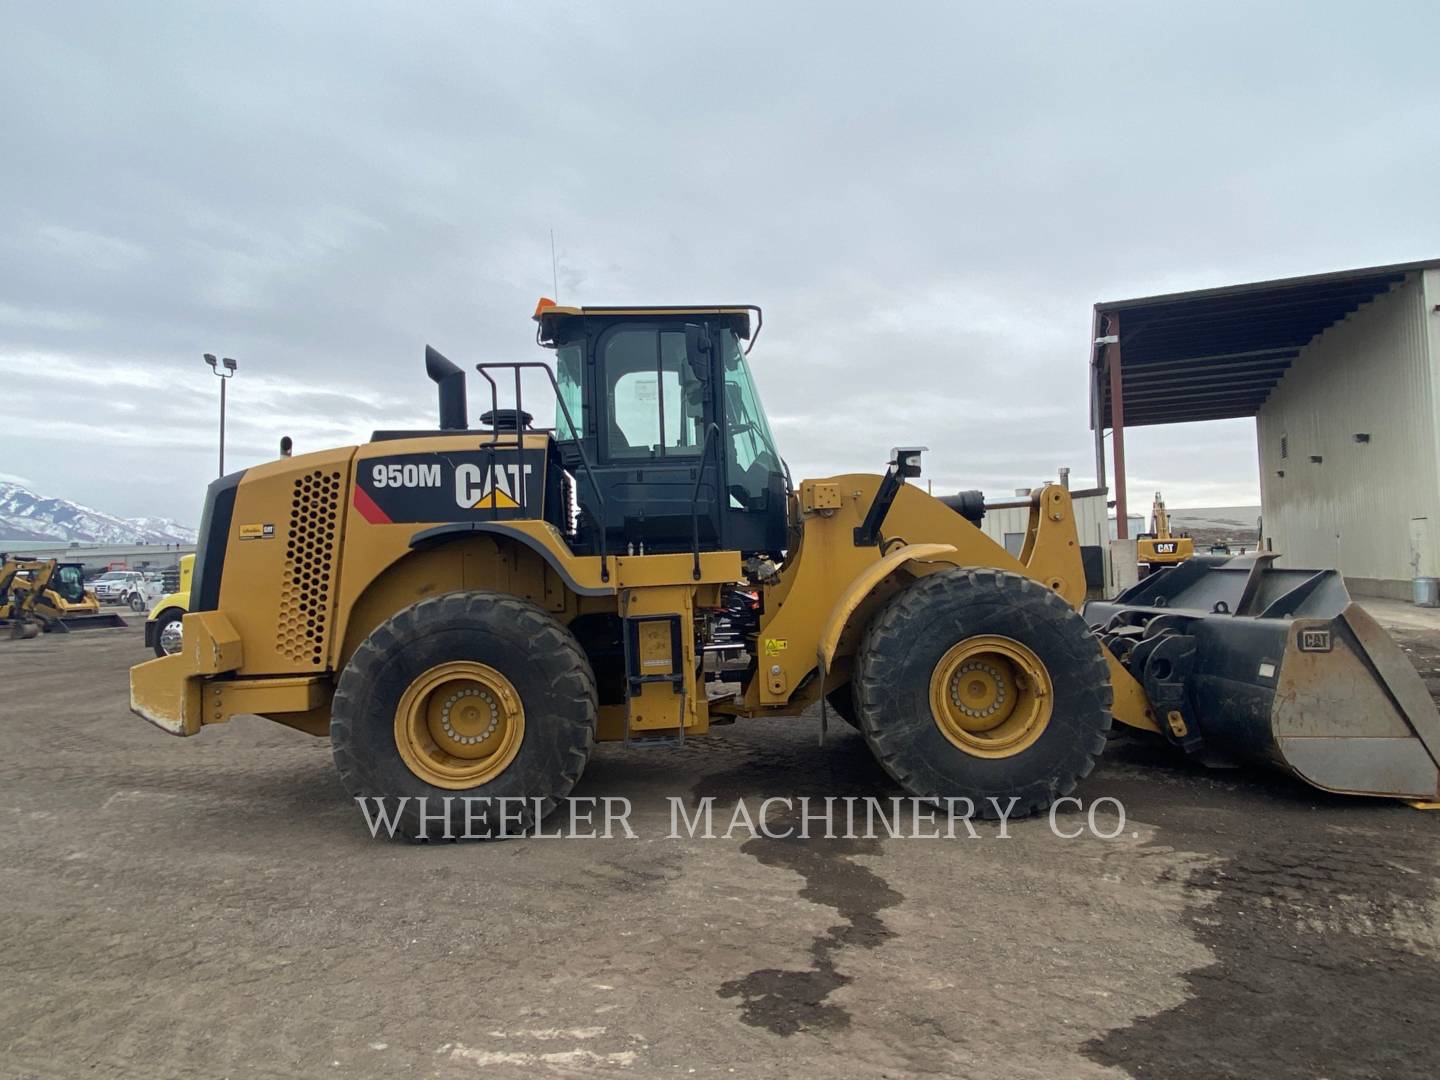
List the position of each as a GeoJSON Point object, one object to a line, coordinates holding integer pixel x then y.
{"type": "Point", "coordinates": [1366, 508]}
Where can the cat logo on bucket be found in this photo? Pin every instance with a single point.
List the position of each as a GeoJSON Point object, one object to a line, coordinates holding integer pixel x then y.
{"type": "Point", "coordinates": [489, 487]}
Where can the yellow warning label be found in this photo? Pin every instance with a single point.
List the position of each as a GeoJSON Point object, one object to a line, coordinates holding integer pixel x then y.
{"type": "Point", "coordinates": [775, 645]}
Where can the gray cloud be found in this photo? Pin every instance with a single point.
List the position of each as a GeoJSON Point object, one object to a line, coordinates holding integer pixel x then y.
{"type": "Point", "coordinates": [927, 199]}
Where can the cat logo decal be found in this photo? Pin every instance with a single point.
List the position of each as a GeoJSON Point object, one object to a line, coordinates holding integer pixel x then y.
{"type": "Point", "coordinates": [492, 487]}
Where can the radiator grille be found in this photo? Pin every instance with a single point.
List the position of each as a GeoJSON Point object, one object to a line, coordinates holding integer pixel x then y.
{"type": "Point", "coordinates": [309, 560]}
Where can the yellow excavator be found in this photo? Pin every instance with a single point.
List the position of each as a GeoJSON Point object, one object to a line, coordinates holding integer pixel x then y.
{"type": "Point", "coordinates": [46, 595]}
{"type": "Point", "coordinates": [1161, 547]}
{"type": "Point", "coordinates": [464, 613]}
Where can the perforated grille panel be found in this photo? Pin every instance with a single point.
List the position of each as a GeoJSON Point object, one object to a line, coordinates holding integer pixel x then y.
{"type": "Point", "coordinates": [309, 560]}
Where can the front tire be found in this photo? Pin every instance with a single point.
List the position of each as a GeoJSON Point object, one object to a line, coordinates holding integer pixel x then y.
{"type": "Point", "coordinates": [168, 632]}
{"type": "Point", "coordinates": [475, 696]}
{"type": "Point", "coordinates": [983, 685]}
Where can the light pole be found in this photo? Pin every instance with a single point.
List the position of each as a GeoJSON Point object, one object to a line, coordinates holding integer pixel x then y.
{"type": "Point", "coordinates": [225, 369]}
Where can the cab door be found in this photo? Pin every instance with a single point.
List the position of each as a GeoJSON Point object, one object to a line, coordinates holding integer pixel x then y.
{"type": "Point", "coordinates": [655, 408]}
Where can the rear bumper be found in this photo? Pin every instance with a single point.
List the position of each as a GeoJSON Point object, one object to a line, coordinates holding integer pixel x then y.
{"type": "Point", "coordinates": [168, 691]}
{"type": "Point", "coordinates": [197, 686]}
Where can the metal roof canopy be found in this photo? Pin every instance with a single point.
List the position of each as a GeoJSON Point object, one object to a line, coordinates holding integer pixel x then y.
{"type": "Point", "coordinates": [1213, 354]}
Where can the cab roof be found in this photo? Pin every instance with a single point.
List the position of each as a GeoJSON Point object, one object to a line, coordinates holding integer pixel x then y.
{"type": "Point", "coordinates": [551, 315]}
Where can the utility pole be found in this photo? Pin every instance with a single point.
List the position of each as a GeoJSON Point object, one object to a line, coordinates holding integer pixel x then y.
{"type": "Point", "coordinates": [225, 368]}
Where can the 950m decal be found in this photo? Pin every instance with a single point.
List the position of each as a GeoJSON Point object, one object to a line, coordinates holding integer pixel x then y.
{"type": "Point", "coordinates": [461, 486]}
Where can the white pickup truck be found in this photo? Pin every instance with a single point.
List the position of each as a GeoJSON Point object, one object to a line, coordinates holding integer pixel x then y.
{"type": "Point", "coordinates": [117, 586]}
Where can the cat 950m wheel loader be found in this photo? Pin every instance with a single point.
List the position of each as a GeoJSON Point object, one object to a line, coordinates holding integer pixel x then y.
{"type": "Point", "coordinates": [464, 612]}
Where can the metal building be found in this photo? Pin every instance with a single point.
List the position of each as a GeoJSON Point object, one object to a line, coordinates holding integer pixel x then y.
{"type": "Point", "coordinates": [1340, 372]}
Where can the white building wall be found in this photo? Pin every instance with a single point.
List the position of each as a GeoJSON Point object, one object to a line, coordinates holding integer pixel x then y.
{"type": "Point", "coordinates": [1425, 536]}
{"type": "Point", "coordinates": [1002, 521]}
{"type": "Point", "coordinates": [1369, 509]}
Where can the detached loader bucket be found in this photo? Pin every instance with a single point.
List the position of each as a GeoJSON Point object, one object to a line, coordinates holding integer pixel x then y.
{"type": "Point", "coordinates": [1251, 662]}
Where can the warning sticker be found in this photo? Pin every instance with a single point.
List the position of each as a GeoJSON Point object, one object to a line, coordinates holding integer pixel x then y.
{"type": "Point", "coordinates": [775, 645]}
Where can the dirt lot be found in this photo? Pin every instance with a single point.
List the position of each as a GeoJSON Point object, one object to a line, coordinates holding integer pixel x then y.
{"type": "Point", "coordinates": [215, 907]}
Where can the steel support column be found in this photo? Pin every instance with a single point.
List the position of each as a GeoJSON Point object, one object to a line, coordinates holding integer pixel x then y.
{"type": "Point", "coordinates": [1117, 421]}
{"type": "Point", "coordinates": [1097, 402]}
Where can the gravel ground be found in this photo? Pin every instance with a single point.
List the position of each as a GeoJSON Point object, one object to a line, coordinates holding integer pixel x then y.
{"type": "Point", "coordinates": [215, 907]}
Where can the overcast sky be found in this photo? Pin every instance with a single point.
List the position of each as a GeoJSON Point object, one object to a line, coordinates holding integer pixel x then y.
{"type": "Point", "coordinates": [927, 200]}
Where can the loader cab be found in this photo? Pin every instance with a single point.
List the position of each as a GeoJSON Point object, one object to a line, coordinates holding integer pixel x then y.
{"type": "Point", "coordinates": [68, 582]}
{"type": "Point", "coordinates": [666, 415]}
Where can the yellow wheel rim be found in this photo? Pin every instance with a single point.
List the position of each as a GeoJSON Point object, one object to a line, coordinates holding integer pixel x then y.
{"type": "Point", "coordinates": [459, 725]}
{"type": "Point", "coordinates": [991, 696]}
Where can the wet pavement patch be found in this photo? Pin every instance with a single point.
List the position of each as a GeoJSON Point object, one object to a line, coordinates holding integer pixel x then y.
{"type": "Point", "coordinates": [1325, 961]}
{"type": "Point", "coordinates": [786, 1001]}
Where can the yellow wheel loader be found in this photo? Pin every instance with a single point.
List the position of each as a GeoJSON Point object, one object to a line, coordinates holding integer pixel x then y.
{"type": "Point", "coordinates": [465, 612]}
{"type": "Point", "coordinates": [45, 595]}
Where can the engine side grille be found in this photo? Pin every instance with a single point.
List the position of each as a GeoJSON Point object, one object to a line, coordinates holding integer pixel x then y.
{"type": "Point", "coordinates": [309, 562]}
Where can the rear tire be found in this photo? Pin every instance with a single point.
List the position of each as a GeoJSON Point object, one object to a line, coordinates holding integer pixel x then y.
{"type": "Point", "coordinates": [506, 661]}
{"type": "Point", "coordinates": [960, 632]}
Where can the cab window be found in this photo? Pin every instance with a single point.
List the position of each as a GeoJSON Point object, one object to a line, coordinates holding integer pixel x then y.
{"type": "Point", "coordinates": [752, 456]}
{"type": "Point", "coordinates": [655, 402]}
{"type": "Point", "coordinates": [69, 583]}
{"type": "Point", "coordinates": [569, 377]}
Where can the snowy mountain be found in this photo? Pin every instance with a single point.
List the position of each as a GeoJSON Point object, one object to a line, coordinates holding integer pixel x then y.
{"type": "Point", "coordinates": [24, 515]}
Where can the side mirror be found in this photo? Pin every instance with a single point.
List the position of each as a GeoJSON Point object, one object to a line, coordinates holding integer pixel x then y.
{"type": "Point", "coordinates": [697, 350]}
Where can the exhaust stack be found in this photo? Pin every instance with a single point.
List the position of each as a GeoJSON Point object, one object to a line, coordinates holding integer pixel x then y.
{"type": "Point", "coordinates": [451, 383]}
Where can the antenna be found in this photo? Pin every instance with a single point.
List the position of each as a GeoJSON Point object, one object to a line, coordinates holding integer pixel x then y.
{"type": "Point", "coordinates": [554, 267]}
